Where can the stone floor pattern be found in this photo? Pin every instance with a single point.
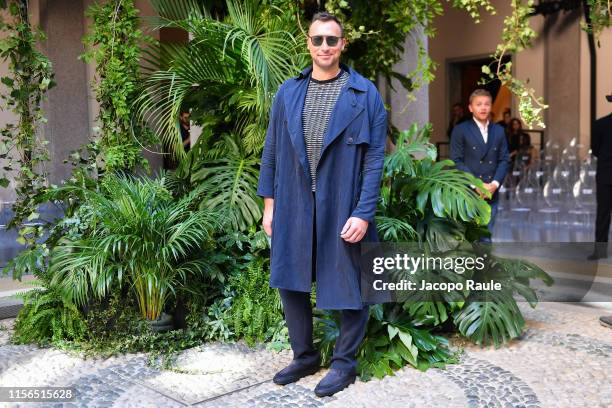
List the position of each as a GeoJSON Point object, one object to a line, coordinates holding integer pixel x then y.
{"type": "Point", "coordinates": [564, 359]}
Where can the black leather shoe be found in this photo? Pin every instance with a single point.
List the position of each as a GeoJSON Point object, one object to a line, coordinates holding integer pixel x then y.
{"type": "Point", "coordinates": [335, 380]}
{"type": "Point", "coordinates": [294, 371]}
{"type": "Point", "coordinates": [596, 256]}
{"type": "Point", "coordinates": [606, 321]}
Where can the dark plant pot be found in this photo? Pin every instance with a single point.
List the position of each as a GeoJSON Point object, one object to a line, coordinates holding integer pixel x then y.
{"type": "Point", "coordinates": [162, 324]}
{"type": "Point", "coordinates": [180, 313]}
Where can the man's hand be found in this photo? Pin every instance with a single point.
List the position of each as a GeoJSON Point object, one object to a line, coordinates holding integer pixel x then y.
{"type": "Point", "coordinates": [267, 215]}
{"type": "Point", "coordinates": [491, 187]}
{"type": "Point", "coordinates": [354, 230]}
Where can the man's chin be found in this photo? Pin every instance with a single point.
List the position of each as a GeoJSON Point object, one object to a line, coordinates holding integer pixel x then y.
{"type": "Point", "coordinates": [326, 64]}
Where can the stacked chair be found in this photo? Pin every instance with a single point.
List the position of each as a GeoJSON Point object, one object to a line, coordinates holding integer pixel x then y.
{"type": "Point", "coordinates": [551, 199]}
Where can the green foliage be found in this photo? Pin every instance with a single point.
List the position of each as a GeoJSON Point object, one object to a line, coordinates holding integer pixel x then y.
{"type": "Point", "coordinates": [114, 46]}
{"type": "Point", "coordinates": [393, 339]}
{"type": "Point", "coordinates": [600, 16]}
{"type": "Point", "coordinates": [256, 308]}
{"type": "Point", "coordinates": [228, 184]}
{"type": "Point", "coordinates": [47, 317]}
{"type": "Point", "coordinates": [433, 205]}
{"type": "Point", "coordinates": [377, 32]}
{"type": "Point", "coordinates": [224, 178]}
{"type": "Point", "coordinates": [29, 261]}
{"type": "Point", "coordinates": [228, 72]}
{"type": "Point", "coordinates": [22, 150]}
{"type": "Point", "coordinates": [517, 35]}
{"type": "Point", "coordinates": [418, 193]}
{"type": "Point", "coordinates": [493, 317]}
{"type": "Point", "coordinates": [141, 235]}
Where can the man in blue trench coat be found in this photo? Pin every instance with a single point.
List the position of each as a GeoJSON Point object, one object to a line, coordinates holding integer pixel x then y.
{"type": "Point", "coordinates": [320, 178]}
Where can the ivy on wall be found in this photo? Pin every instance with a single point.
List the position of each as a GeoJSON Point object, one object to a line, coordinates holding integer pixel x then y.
{"type": "Point", "coordinates": [600, 16]}
{"type": "Point", "coordinates": [516, 36]}
{"type": "Point", "coordinates": [377, 31]}
{"type": "Point", "coordinates": [22, 149]}
{"type": "Point", "coordinates": [114, 45]}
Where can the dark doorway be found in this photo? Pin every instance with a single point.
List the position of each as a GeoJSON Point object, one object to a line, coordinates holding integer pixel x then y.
{"type": "Point", "coordinates": [464, 77]}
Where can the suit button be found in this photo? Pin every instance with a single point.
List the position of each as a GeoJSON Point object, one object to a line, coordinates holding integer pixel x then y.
{"type": "Point", "coordinates": [490, 162]}
{"type": "Point", "coordinates": [350, 140]}
{"type": "Point", "coordinates": [474, 147]}
{"type": "Point", "coordinates": [481, 162]}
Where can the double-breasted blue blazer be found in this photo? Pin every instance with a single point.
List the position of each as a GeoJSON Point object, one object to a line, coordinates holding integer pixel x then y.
{"type": "Point", "coordinates": [348, 184]}
{"type": "Point", "coordinates": [487, 161]}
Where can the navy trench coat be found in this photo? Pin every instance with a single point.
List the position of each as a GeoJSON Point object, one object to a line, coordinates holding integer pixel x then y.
{"type": "Point", "coordinates": [348, 184]}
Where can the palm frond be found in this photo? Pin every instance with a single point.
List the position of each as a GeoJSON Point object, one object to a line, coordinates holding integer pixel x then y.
{"type": "Point", "coordinates": [250, 53]}
{"type": "Point", "coordinates": [228, 186]}
{"type": "Point", "coordinates": [169, 11]}
{"type": "Point", "coordinates": [395, 230]}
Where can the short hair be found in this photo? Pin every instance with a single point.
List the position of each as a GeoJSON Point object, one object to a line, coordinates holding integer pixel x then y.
{"type": "Point", "coordinates": [480, 92]}
{"type": "Point", "coordinates": [325, 16]}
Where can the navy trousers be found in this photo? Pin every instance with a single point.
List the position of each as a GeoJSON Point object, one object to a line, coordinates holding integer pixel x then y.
{"type": "Point", "coordinates": [298, 315]}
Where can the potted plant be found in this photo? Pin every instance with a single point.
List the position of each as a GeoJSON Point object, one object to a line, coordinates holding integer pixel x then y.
{"type": "Point", "coordinates": [140, 235]}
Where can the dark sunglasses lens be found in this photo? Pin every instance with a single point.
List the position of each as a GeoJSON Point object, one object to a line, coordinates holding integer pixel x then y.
{"type": "Point", "coordinates": [332, 41]}
{"type": "Point", "coordinates": [317, 40]}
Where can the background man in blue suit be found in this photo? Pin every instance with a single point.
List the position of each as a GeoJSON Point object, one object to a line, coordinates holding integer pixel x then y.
{"type": "Point", "coordinates": [480, 147]}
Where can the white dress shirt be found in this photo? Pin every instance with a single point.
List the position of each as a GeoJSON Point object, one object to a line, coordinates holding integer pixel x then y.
{"type": "Point", "coordinates": [484, 131]}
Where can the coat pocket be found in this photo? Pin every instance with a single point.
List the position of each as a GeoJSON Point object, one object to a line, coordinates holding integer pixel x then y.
{"type": "Point", "coordinates": [358, 131]}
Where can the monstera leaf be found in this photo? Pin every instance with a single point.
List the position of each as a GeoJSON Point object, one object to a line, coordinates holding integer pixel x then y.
{"type": "Point", "coordinates": [492, 318]}
{"type": "Point", "coordinates": [448, 192]}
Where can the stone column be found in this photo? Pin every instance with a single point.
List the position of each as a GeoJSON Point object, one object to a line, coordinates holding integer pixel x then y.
{"type": "Point", "coordinates": [67, 108]}
{"type": "Point", "coordinates": [403, 112]}
{"type": "Point", "coordinates": [562, 74]}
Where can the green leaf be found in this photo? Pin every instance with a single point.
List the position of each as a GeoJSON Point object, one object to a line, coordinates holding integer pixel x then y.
{"type": "Point", "coordinates": [7, 81]}
{"type": "Point", "coordinates": [393, 331]}
{"type": "Point", "coordinates": [407, 341]}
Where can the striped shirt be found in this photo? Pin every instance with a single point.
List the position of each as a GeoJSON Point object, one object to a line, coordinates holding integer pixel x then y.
{"type": "Point", "coordinates": [321, 98]}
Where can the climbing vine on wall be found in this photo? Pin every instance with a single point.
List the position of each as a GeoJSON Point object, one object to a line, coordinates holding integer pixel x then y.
{"type": "Point", "coordinates": [600, 16]}
{"type": "Point", "coordinates": [22, 149]}
{"type": "Point", "coordinates": [516, 36]}
{"type": "Point", "coordinates": [114, 45]}
{"type": "Point", "coordinates": [377, 32]}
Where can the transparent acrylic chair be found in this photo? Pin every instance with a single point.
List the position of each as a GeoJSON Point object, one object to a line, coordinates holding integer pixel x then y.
{"type": "Point", "coordinates": [554, 196]}
{"type": "Point", "coordinates": [525, 205]}
{"type": "Point", "coordinates": [584, 195]}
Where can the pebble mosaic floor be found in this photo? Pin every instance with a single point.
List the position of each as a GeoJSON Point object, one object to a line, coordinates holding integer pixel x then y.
{"type": "Point", "coordinates": [563, 359]}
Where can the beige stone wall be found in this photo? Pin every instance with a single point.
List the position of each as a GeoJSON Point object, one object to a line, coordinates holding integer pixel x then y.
{"type": "Point", "coordinates": [604, 73]}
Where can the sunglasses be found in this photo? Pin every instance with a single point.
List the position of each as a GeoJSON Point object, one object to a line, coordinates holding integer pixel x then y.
{"type": "Point", "coordinates": [317, 40]}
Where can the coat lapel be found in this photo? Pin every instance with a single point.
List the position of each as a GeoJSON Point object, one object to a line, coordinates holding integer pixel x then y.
{"type": "Point", "coordinates": [345, 110]}
{"type": "Point", "coordinates": [477, 135]}
{"type": "Point", "coordinates": [294, 103]}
